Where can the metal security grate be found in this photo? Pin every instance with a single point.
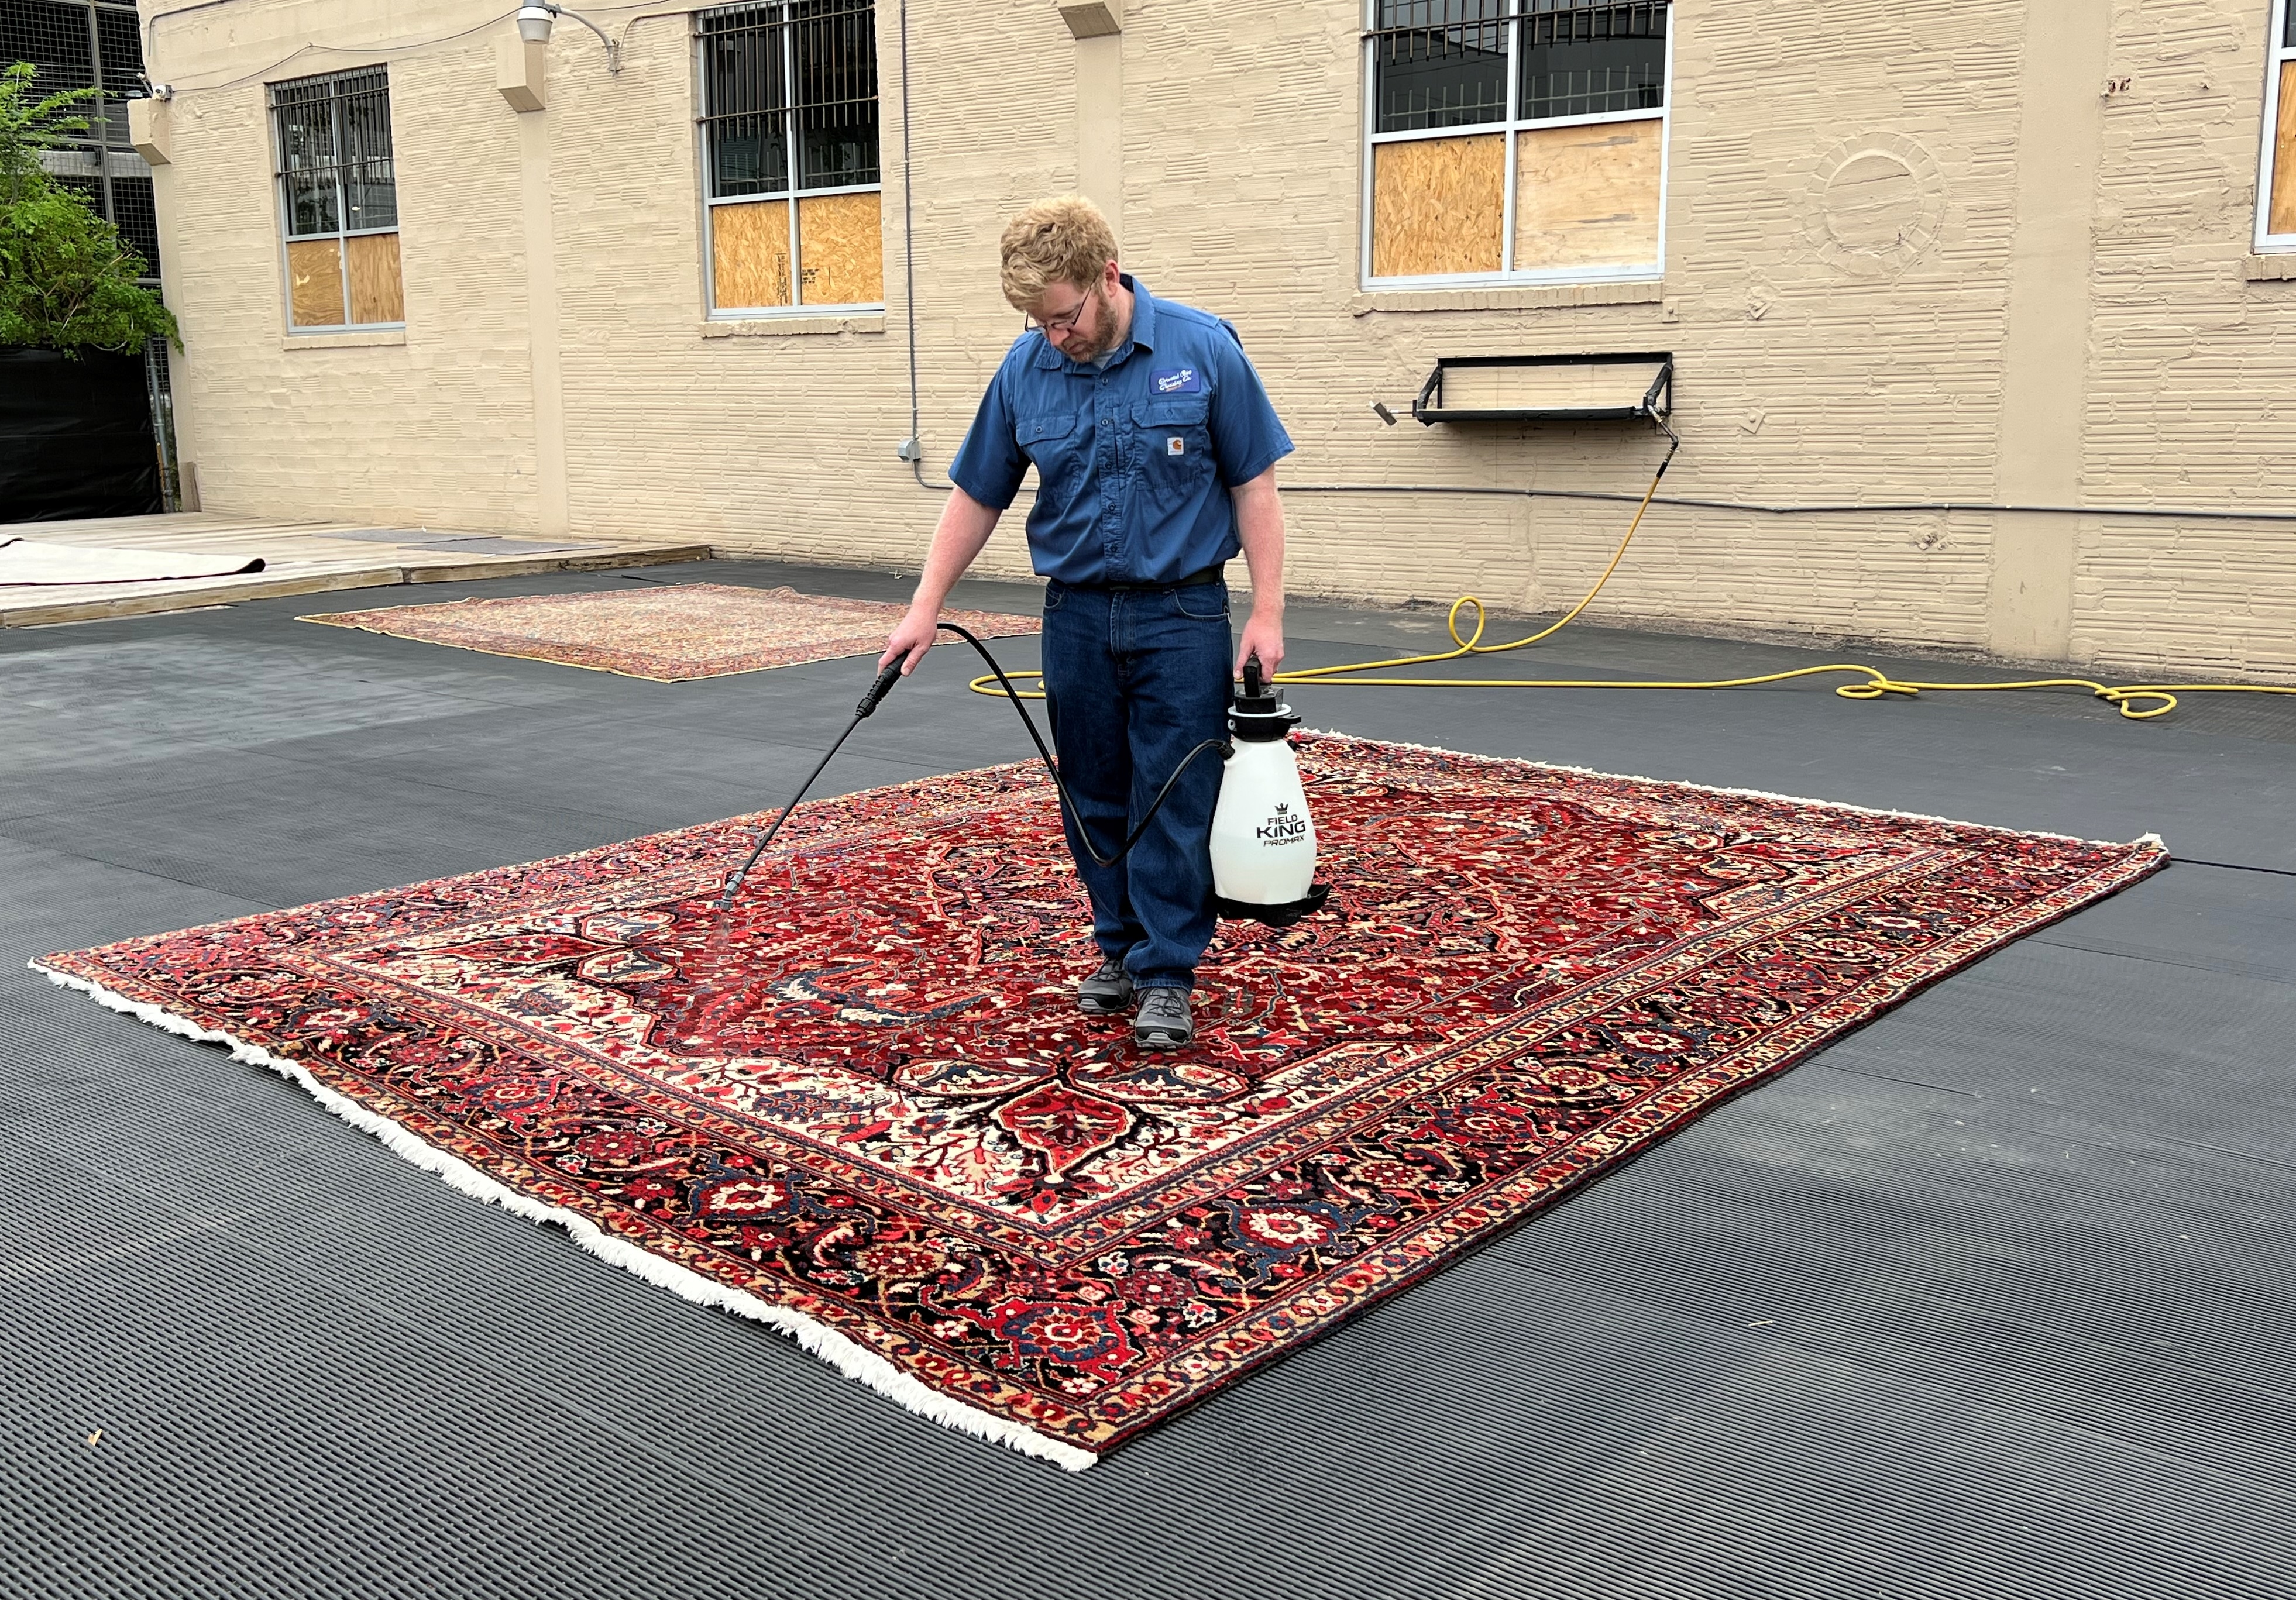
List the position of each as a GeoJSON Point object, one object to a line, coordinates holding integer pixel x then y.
{"type": "Point", "coordinates": [336, 174]}
{"type": "Point", "coordinates": [86, 45]}
{"type": "Point", "coordinates": [834, 47]}
{"type": "Point", "coordinates": [811, 61]}
{"type": "Point", "coordinates": [745, 102]}
{"type": "Point", "coordinates": [135, 216]}
{"type": "Point", "coordinates": [1445, 63]}
{"type": "Point", "coordinates": [94, 45]}
{"type": "Point", "coordinates": [1440, 63]}
{"type": "Point", "coordinates": [56, 37]}
{"type": "Point", "coordinates": [1582, 60]}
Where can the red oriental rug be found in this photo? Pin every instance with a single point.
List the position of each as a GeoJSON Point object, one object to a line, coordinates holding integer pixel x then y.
{"type": "Point", "coordinates": [666, 632]}
{"type": "Point", "coordinates": [862, 1106]}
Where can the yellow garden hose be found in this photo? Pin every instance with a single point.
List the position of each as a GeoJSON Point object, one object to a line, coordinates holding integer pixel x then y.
{"type": "Point", "coordinates": [2136, 701]}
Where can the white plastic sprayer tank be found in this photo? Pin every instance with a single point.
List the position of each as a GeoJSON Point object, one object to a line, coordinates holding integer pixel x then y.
{"type": "Point", "coordinates": [1263, 841]}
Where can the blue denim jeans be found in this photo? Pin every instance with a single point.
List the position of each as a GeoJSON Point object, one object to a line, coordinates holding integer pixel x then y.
{"type": "Point", "coordinates": [1134, 679]}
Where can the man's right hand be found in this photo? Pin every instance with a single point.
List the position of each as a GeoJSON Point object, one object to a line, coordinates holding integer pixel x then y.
{"type": "Point", "coordinates": [910, 639]}
{"type": "Point", "coordinates": [964, 526]}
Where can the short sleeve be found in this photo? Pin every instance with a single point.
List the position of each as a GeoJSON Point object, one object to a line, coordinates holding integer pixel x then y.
{"type": "Point", "coordinates": [1248, 438]}
{"type": "Point", "coordinates": [990, 464]}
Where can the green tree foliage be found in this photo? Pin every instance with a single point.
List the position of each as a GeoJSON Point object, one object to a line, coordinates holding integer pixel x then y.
{"type": "Point", "coordinates": [67, 282]}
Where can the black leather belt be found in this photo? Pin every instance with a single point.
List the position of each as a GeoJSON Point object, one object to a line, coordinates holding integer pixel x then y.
{"type": "Point", "coordinates": [1214, 573]}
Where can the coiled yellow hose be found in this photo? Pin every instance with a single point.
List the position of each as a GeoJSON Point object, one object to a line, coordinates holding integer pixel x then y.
{"type": "Point", "coordinates": [2136, 701]}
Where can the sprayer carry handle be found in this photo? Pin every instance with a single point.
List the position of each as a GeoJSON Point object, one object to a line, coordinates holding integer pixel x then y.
{"type": "Point", "coordinates": [883, 686]}
{"type": "Point", "coordinates": [1252, 690]}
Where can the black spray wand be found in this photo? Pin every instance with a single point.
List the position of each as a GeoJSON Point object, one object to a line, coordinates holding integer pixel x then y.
{"type": "Point", "coordinates": [883, 686]}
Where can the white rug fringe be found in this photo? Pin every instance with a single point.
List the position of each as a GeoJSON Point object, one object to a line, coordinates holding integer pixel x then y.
{"type": "Point", "coordinates": [1791, 800]}
{"type": "Point", "coordinates": [856, 1361]}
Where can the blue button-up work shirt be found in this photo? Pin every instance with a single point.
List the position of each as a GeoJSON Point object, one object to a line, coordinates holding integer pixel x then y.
{"type": "Point", "coordinates": [1134, 460]}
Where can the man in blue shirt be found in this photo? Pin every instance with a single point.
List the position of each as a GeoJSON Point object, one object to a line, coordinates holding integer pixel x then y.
{"type": "Point", "coordinates": [1155, 449]}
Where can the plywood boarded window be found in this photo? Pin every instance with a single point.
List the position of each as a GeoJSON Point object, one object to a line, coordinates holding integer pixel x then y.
{"type": "Point", "coordinates": [1515, 141]}
{"type": "Point", "coordinates": [337, 192]}
{"type": "Point", "coordinates": [788, 144]}
{"type": "Point", "coordinates": [1438, 206]}
{"type": "Point", "coordinates": [2276, 188]}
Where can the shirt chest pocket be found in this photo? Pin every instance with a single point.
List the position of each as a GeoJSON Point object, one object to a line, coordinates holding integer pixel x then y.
{"type": "Point", "coordinates": [1173, 441]}
{"type": "Point", "coordinates": [1054, 442]}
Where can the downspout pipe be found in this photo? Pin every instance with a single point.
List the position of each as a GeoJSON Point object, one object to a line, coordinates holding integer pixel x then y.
{"type": "Point", "coordinates": [914, 448]}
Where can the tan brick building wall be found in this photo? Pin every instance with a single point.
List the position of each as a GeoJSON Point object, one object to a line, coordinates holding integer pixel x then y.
{"type": "Point", "coordinates": [2061, 309]}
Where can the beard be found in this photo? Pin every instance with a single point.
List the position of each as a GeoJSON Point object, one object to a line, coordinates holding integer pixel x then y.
{"type": "Point", "coordinates": [1105, 333]}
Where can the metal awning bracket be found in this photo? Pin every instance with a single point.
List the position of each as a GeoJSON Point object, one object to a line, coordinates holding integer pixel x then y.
{"type": "Point", "coordinates": [1587, 387]}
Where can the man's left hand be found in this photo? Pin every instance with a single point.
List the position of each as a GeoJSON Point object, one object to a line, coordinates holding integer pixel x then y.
{"type": "Point", "coordinates": [1263, 636]}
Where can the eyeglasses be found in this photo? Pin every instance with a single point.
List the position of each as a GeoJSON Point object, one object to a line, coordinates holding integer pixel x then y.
{"type": "Point", "coordinates": [1062, 323]}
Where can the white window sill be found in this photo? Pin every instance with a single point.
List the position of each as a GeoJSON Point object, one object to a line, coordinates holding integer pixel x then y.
{"type": "Point", "coordinates": [2269, 269]}
{"type": "Point", "coordinates": [780, 327]}
{"type": "Point", "coordinates": [1528, 297]}
{"type": "Point", "coordinates": [342, 341]}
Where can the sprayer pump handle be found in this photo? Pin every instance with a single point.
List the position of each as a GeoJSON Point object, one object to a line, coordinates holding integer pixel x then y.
{"type": "Point", "coordinates": [883, 686]}
{"type": "Point", "coordinates": [1251, 689]}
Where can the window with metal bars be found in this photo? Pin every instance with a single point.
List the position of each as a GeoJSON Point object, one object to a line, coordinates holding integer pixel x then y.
{"type": "Point", "coordinates": [1513, 140]}
{"type": "Point", "coordinates": [335, 171]}
{"type": "Point", "coordinates": [789, 154]}
{"type": "Point", "coordinates": [337, 199]}
{"type": "Point", "coordinates": [1443, 63]}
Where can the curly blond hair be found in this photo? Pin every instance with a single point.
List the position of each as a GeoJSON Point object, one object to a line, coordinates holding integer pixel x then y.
{"type": "Point", "coordinates": [1063, 240]}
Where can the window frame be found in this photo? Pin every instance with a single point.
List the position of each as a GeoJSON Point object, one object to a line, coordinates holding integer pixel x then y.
{"type": "Point", "coordinates": [339, 235]}
{"type": "Point", "coordinates": [1510, 128]}
{"type": "Point", "coordinates": [799, 307]}
{"type": "Point", "coordinates": [2277, 53]}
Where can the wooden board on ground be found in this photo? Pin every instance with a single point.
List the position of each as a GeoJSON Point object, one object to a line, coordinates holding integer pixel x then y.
{"type": "Point", "coordinates": [303, 558]}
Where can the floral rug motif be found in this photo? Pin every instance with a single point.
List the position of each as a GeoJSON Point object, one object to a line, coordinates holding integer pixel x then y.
{"type": "Point", "coordinates": [666, 632]}
{"type": "Point", "coordinates": [862, 1105]}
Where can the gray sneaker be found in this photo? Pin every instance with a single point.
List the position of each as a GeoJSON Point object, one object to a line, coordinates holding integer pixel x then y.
{"type": "Point", "coordinates": [1108, 992]}
{"type": "Point", "coordinates": [1162, 1023]}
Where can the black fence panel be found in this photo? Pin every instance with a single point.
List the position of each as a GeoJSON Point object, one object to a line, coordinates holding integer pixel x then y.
{"type": "Point", "coordinates": [75, 437]}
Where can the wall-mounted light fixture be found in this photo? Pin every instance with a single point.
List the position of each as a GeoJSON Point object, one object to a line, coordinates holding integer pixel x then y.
{"type": "Point", "coordinates": [535, 17]}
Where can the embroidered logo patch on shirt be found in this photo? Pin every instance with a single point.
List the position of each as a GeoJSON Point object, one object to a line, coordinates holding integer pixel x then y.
{"type": "Point", "coordinates": [1177, 381]}
{"type": "Point", "coordinates": [1176, 446]}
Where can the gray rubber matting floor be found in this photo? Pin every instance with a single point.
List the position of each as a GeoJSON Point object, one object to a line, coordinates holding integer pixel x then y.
{"type": "Point", "coordinates": [1999, 1296]}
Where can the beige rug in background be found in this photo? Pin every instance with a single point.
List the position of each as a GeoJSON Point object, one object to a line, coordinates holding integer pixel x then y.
{"type": "Point", "coordinates": [663, 632]}
{"type": "Point", "coordinates": [37, 563]}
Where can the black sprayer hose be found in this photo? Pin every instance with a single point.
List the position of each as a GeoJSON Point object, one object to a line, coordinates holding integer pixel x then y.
{"type": "Point", "coordinates": [883, 686]}
{"type": "Point", "coordinates": [1052, 767]}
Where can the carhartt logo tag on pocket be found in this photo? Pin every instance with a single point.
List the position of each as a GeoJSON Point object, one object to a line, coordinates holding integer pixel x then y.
{"type": "Point", "coordinates": [1175, 447]}
{"type": "Point", "coordinates": [1176, 381]}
